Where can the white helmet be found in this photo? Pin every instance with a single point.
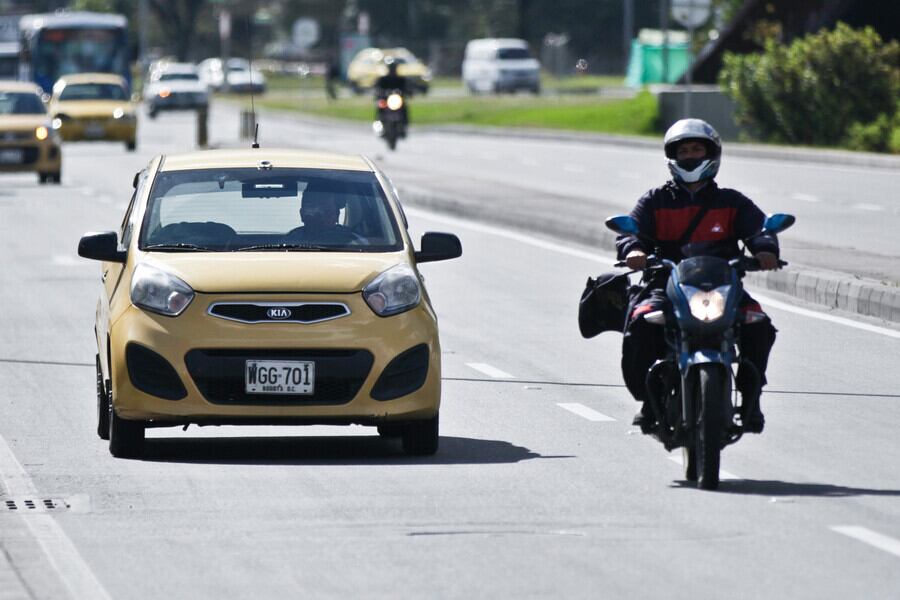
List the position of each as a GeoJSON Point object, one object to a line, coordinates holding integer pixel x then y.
{"type": "Point", "coordinates": [693, 170]}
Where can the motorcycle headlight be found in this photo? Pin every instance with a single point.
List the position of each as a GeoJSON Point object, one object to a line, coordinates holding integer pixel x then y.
{"type": "Point", "coordinates": [393, 291]}
{"type": "Point", "coordinates": [706, 306]}
{"type": "Point", "coordinates": [395, 101]}
{"type": "Point", "coordinates": [160, 292]}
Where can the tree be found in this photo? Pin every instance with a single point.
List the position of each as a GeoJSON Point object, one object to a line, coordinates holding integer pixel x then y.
{"type": "Point", "coordinates": [179, 19]}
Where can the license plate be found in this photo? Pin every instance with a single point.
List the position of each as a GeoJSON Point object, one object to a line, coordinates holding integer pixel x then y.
{"type": "Point", "coordinates": [10, 157]}
{"type": "Point", "coordinates": [94, 130]}
{"type": "Point", "coordinates": [279, 377]}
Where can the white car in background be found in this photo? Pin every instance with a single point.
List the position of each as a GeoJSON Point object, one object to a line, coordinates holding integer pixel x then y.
{"type": "Point", "coordinates": [175, 86]}
{"type": "Point", "coordinates": [494, 65]}
{"type": "Point", "coordinates": [241, 77]}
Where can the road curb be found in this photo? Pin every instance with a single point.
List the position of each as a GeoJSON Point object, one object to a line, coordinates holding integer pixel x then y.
{"type": "Point", "coordinates": [761, 151]}
{"type": "Point", "coordinates": [827, 289]}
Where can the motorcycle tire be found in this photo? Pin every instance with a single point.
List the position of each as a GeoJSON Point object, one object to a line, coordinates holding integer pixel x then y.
{"type": "Point", "coordinates": [391, 142]}
{"type": "Point", "coordinates": [714, 388]}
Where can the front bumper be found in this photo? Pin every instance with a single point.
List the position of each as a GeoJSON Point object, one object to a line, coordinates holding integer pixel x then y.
{"type": "Point", "coordinates": [99, 129]}
{"type": "Point", "coordinates": [30, 156]}
{"type": "Point", "coordinates": [207, 354]}
{"type": "Point", "coordinates": [178, 101]}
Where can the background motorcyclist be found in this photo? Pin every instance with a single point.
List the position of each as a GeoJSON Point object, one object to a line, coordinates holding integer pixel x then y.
{"type": "Point", "coordinates": [693, 149]}
{"type": "Point", "coordinates": [392, 81]}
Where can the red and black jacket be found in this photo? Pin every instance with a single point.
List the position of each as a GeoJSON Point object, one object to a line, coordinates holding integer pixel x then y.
{"type": "Point", "coordinates": [664, 214]}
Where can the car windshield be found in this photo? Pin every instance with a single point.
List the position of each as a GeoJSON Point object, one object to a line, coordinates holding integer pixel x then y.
{"type": "Point", "coordinates": [178, 77]}
{"type": "Point", "coordinates": [268, 210]}
{"type": "Point", "coordinates": [93, 91]}
{"type": "Point", "coordinates": [27, 103]}
{"type": "Point", "coordinates": [512, 53]}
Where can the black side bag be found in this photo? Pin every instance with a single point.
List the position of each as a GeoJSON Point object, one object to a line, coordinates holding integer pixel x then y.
{"type": "Point", "coordinates": [604, 304]}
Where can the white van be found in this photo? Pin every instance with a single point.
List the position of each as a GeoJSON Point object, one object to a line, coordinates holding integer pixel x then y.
{"type": "Point", "coordinates": [500, 65]}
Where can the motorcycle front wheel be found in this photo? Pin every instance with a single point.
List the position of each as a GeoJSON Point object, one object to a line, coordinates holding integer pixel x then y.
{"type": "Point", "coordinates": [715, 391]}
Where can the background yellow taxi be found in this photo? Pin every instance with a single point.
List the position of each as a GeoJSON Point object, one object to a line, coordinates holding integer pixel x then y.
{"type": "Point", "coordinates": [94, 106]}
{"type": "Point", "coordinates": [265, 287]}
{"type": "Point", "coordinates": [368, 65]}
{"type": "Point", "coordinates": [28, 141]}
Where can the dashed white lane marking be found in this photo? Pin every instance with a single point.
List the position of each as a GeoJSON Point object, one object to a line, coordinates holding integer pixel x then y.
{"type": "Point", "coordinates": [573, 168]}
{"type": "Point", "coordinates": [583, 411]}
{"type": "Point", "coordinates": [597, 258]}
{"type": "Point", "coordinates": [59, 549]}
{"type": "Point", "coordinates": [490, 371]}
{"type": "Point", "coordinates": [869, 207]}
{"type": "Point", "coordinates": [867, 536]}
{"type": "Point", "coordinates": [723, 474]}
{"type": "Point", "coordinates": [806, 197]}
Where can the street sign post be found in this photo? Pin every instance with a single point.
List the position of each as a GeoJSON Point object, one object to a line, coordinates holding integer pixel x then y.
{"type": "Point", "coordinates": [691, 14]}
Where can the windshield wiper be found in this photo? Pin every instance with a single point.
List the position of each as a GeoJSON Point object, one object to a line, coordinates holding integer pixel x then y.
{"type": "Point", "coordinates": [286, 246]}
{"type": "Point", "coordinates": [180, 246]}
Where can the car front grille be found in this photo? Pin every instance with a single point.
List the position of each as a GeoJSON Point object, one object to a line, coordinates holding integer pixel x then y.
{"type": "Point", "coordinates": [219, 375]}
{"type": "Point", "coordinates": [273, 312]}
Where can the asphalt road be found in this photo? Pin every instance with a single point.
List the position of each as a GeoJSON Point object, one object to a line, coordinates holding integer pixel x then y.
{"type": "Point", "coordinates": [541, 488]}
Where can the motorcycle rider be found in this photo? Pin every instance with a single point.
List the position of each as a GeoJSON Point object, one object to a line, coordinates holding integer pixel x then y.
{"type": "Point", "coordinates": [392, 81]}
{"type": "Point", "coordinates": [693, 149]}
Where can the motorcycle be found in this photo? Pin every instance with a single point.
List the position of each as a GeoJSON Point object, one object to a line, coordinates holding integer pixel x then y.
{"type": "Point", "coordinates": [690, 390]}
{"type": "Point", "coordinates": [391, 122]}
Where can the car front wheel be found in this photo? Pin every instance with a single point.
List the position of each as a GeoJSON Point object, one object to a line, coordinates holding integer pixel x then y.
{"type": "Point", "coordinates": [126, 438]}
{"type": "Point", "coordinates": [102, 404]}
{"type": "Point", "coordinates": [420, 438]}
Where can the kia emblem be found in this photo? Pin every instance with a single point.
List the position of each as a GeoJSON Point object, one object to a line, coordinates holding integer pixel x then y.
{"type": "Point", "coordinates": [278, 312]}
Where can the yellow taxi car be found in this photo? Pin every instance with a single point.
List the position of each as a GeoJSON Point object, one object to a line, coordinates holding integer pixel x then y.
{"type": "Point", "coordinates": [368, 65]}
{"type": "Point", "coordinates": [258, 286]}
{"type": "Point", "coordinates": [94, 106]}
{"type": "Point", "coordinates": [28, 141]}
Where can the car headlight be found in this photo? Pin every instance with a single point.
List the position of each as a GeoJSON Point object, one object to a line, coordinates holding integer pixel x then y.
{"type": "Point", "coordinates": [41, 133]}
{"type": "Point", "coordinates": [706, 306]}
{"type": "Point", "coordinates": [393, 291]}
{"type": "Point", "coordinates": [157, 291]}
{"type": "Point", "coordinates": [118, 113]}
{"type": "Point", "coordinates": [164, 93]}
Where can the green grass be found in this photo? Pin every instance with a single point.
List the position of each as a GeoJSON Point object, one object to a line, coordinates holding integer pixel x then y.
{"type": "Point", "coordinates": [635, 116]}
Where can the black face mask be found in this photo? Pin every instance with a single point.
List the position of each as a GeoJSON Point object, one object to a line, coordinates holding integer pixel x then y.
{"type": "Point", "coordinates": [689, 164]}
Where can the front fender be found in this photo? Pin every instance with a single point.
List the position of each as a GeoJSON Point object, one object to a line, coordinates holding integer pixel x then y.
{"type": "Point", "coordinates": [698, 357]}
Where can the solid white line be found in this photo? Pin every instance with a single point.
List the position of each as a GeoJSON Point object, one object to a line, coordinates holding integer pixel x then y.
{"type": "Point", "coordinates": [59, 549]}
{"type": "Point", "coordinates": [490, 371]}
{"type": "Point", "coordinates": [867, 536]}
{"type": "Point", "coordinates": [765, 300]}
{"type": "Point", "coordinates": [539, 243]}
{"type": "Point", "coordinates": [583, 411]}
{"type": "Point", "coordinates": [723, 474]}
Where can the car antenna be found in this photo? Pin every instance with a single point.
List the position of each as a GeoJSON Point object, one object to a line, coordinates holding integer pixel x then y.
{"type": "Point", "coordinates": [255, 143]}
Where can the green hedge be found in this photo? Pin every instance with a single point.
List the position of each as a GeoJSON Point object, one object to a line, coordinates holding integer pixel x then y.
{"type": "Point", "coordinates": [832, 88]}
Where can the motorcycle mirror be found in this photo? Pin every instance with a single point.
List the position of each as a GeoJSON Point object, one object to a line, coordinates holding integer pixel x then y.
{"type": "Point", "coordinates": [777, 223]}
{"type": "Point", "coordinates": [622, 224]}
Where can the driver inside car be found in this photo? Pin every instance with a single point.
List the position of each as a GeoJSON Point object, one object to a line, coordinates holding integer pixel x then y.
{"type": "Point", "coordinates": [320, 211]}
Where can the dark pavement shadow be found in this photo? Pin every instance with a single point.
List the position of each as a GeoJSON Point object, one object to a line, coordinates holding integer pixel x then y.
{"type": "Point", "coordinates": [776, 488]}
{"type": "Point", "coordinates": [330, 450]}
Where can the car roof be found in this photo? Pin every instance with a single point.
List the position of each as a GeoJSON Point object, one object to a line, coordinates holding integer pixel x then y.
{"type": "Point", "coordinates": [9, 85]}
{"type": "Point", "coordinates": [93, 78]}
{"type": "Point", "coordinates": [251, 157]}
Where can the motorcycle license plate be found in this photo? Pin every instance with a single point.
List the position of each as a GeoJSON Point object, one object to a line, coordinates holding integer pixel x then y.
{"type": "Point", "coordinates": [279, 377]}
{"type": "Point", "coordinates": [11, 157]}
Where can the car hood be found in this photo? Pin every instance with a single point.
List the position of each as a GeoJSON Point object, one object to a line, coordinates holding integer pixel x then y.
{"type": "Point", "coordinates": [91, 108]}
{"type": "Point", "coordinates": [249, 272]}
{"type": "Point", "coordinates": [22, 122]}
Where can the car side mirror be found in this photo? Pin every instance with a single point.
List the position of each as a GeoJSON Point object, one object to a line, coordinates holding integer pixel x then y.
{"type": "Point", "coordinates": [101, 246]}
{"type": "Point", "coordinates": [438, 246]}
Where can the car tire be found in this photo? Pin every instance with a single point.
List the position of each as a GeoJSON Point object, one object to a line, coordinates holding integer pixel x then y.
{"type": "Point", "coordinates": [43, 178]}
{"type": "Point", "coordinates": [126, 438]}
{"type": "Point", "coordinates": [420, 438]}
{"type": "Point", "coordinates": [390, 430]}
{"type": "Point", "coordinates": [55, 178]}
{"type": "Point", "coordinates": [102, 404]}
{"type": "Point", "coordinates": [131, 146]}
{"type": "Point", "coordinates": [152, 113]}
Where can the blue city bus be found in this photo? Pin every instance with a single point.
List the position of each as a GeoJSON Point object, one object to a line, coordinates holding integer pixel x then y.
{"type": "Point", "coordinates": [62, 43]}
